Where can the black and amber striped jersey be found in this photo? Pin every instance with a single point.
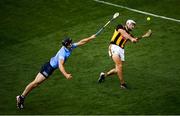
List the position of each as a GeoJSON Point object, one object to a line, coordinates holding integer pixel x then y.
{"type": "Point", "coordinates": [117, 37]}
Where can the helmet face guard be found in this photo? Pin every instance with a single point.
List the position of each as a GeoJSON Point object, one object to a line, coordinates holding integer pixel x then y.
{"type": "Point", "coordinates": [130, 24]}
{"type": "Point", "coordinates": [67, 41]}
{"type": "Point", "coordinates": [129, 21]}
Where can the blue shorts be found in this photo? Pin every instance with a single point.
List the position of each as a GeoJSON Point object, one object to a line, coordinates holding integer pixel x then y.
{"type": "Point", "coordinates": [47, 70]}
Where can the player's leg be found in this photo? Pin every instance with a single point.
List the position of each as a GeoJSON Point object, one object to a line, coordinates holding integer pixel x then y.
{"type": "Point", "coordinates": [103, 75]}
{"type": "Point", "coordinates": [38, 80]}
{"type": "Point", "coordinates": [110, 72]}
{"type": "Point", "coordinates": [20, 98]}
{"type": "Point", "coordinates": [119, 69]}
{"type": "Point", "coordinates": [45, 72]}
{"type": "Point", "coordinates": [118, 66]}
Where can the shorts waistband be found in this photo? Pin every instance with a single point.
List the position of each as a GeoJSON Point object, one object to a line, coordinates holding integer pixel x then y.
{"type": "Point", "coordinates": [117, 45]}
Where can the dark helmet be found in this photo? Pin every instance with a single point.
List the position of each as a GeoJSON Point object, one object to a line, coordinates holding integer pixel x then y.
{"type": "Point", "coordinates": [66, 41]}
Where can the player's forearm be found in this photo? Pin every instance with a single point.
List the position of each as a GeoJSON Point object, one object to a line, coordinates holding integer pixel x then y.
{"type": "Point", "coordinates": [86, 40]}
{"type": "Point", "coordinates": [128, 36]}
{"type": "Point", "coordinates": [132, 39]}
{"type": "Point", "coordinates": [62, 69]}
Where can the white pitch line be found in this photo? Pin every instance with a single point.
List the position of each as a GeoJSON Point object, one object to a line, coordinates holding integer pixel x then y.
{"type": "Point", "coordinates": [138, 11]}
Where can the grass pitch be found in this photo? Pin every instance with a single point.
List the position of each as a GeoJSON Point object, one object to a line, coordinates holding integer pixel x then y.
{"type": "Point", "coordinates": [31, 32]}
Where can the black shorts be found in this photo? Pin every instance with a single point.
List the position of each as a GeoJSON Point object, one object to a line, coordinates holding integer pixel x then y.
{"type": "Point", "coordinates": [47, 70]}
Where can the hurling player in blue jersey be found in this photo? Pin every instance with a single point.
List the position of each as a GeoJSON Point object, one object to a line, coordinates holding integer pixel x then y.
{"type": "Point", "coordinates": [56, 62]}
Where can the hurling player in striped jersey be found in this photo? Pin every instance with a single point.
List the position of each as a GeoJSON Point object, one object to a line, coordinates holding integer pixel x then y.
{"type": "Point", "coordinates": [116, 50]}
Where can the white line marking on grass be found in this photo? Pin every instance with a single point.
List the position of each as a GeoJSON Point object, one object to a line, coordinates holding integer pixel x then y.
{"type": "Point", "coordinates": [138, 11]}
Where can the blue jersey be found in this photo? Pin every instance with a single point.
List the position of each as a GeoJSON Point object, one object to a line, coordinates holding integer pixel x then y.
{"type": "Point", "coordinates": [62, 54]}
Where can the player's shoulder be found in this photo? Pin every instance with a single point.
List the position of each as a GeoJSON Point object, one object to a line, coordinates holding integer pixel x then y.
{"type": "Point", "coordinates": [119, 26]}
{"type": "Point", "coordinates": [62, 50]}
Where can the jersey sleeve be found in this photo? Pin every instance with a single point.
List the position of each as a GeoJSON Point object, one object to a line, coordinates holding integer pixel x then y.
{"type": "Point", "coordinates": [61, 56]}
{"type": "Point", "coordinates": [74, 45]}
{"type": "Point", "coordinates": [119, 27]}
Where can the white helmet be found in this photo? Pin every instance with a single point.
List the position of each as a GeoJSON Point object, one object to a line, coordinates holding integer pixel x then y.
{"type": "Point", "coordinates": [129, 21]}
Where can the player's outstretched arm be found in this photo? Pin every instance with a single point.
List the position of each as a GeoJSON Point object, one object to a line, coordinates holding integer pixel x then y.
{"type": "Point", "coordinates": [86, 40]}
{"type": "Point", "coordinates": [63, 71]}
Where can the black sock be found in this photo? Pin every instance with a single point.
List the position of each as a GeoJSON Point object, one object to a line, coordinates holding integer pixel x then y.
{"type": "Point", "coordinates": [22, 96]}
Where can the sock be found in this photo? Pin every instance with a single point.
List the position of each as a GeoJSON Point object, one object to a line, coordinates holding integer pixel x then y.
{"type": "Point", "coordinates": [22, 96]}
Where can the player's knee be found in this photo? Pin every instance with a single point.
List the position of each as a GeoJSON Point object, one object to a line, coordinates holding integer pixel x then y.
{"type": "Point", "coordinates": [35, 83]}
{"type": "Point", "coordinates": [118, 66]}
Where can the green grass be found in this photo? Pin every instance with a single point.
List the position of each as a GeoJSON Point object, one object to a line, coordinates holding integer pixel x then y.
{"type": "Point", "coordinates": [30, 34]}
